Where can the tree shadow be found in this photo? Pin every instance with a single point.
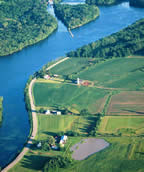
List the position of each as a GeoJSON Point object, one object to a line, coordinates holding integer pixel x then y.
{"type": "Point", "coordinates": [49, 133]}
{"type": "Point", "coordinates": [133, 111]}
{"type": "Point", "coordinates": [35, 162]}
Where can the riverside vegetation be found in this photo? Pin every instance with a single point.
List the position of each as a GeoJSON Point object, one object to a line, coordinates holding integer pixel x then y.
{"type": "Point", "coordinates": [103, 2]}
{"type": "Point", "coordinates": [76, 15]}
{"type": "Point", "coordinates": [123, 43]}
{"type": "Point", "coordinates": [137, 3]}
{"type": "Point", "coordinates": [23, 23]}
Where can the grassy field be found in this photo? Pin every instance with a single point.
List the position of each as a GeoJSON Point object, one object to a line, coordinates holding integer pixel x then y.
{"type": "Point", "coordinates": [125, 154]}
{"type": "Point", "coordinates": [127, 103]}
{"type": "Point", "coordinates": [70, 96]}
{"type": "Point", "coordinates": [124, 125]}
{"type": "Point", "coordinates": [35, 159]}
{"type": "Point", "coordinates": [117, 73]}
{"type": "Point", "coordinates": [50, 125]}
{"type": "Point", "coordinates": [1, 109]}
{"type": "Point", "coordinates": [70, 66]}
{"type": "Point", "coordinates": [126, 151]}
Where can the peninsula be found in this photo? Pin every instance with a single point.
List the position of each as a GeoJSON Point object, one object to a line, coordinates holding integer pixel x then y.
{"type": "Point", "coordinates": [123, 43]}
{"type": "Point", "coordinates": [74, 16]}
{"type": "Point", "coordinates": [23, 23]}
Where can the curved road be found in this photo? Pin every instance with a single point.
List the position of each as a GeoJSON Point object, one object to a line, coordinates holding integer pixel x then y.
{"type": "Point", "coordinates": [34, 120]}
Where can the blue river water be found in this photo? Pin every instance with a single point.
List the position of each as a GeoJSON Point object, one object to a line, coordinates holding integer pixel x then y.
{"type": "Point", "coordinates": [16, 69]}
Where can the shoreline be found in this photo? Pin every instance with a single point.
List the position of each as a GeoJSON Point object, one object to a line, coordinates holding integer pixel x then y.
{"type": "Point", "coordinates": [34, 126]}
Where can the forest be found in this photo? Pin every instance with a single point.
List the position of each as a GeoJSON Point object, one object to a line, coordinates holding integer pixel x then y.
{"type": "Point", "coordinates": [22, 23]}
{"type": "Point", "coordinates": [76, 15]}
{"type": "Point", "coordinates": [137, 3]}
{"type": "Point", "coordinates": [103, 2]}
{"type": "Point", "coordinates": [123, 43]}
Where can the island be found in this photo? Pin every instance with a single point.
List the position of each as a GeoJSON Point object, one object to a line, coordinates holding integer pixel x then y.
{"type": "Point", "coordinates": [103, 2]}
{"type": "Point", "coordinates": [137, 3]}
{"type": "Point", "coordinates": [74, 16]}
{"type": "Point", "coordinates": [123, 43]}
{"type": "Point", "coordinates": [23, 23]}
{"type": "Point", "coordinates": [1, 109]}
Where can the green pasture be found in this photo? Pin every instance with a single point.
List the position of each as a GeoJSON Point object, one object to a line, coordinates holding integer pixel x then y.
{"type": "Point", "coordinates": [67, 95]}
{"type": "Point", "coordinates": [117, 73]}
{"type": "Point", "coordinates": [52, 124]}
{"type": "Point", "coordinates": [70, 66]}
{"type": "Point", "coordinates": [125, 125]}
{"type": "Point", "coordinates": [125, 154]}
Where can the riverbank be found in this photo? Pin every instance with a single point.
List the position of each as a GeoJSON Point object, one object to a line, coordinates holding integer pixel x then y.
{"type": "Point", "coordinates": [34, 123]}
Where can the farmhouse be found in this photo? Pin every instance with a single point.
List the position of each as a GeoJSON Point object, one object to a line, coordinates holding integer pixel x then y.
{"type": "Point", "coordinates": [46, 77]}
{"type": "Point", "coordinates": [47, 112]}
{"type": "Point", "coordinates": [63, 140]}
{"type": "Point", "coordinates": [56, 112]}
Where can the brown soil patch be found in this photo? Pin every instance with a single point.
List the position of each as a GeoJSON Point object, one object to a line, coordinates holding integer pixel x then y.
{"type": "Point", "coordinates": [127, 103]}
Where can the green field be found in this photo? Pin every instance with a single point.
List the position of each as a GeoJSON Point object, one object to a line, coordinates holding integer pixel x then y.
{"type": "Point", "coordinates": [35, 159]}
{"type": "Point", "coordinates": [70, 66]}
{"type": "Point", "coordinates": [125, 154]}
{"type": "Point", "coordinates": [124, 125]}
{"type": "Point", "coordinates": [117, 73]}
{"type": "Point", "coordinates": [68, 95]}
{"type": "Point", "coordinates": [52, 124]}
{"type": "Point", "coordinates": [1, 109]}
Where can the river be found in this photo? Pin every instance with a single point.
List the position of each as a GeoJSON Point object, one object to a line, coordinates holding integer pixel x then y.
{"type": "Point", "coordinates": [16, 69]}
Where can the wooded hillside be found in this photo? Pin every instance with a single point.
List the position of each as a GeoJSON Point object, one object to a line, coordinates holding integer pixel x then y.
{"type": "Point", "coordinates": [103, 2]}
{"type": "Point", "coordinates": [123, 43]}
{"type": "Point", "coordinates": [76, 15]}
{"type": "Point", "coordinates": [22, 23]}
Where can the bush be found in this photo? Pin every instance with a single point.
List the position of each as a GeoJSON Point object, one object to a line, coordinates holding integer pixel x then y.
{"type": "Point", "coordinates": [57, 162]}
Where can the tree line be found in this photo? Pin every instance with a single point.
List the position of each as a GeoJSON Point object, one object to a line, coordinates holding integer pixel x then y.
{"type": "Point", "coordinates": [137, 3]}
{"type": "Point", "coordinates": [76, 15]}
{"type": "Point", "coordinates": [103, 2]}
{"type": "Point", "coordinates": [126, 42]}
{"type": "Point", "coordinates": [22, 23]}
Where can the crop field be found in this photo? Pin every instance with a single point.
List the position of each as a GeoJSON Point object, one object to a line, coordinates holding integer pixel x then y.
{"type": "Point", "coordinates": [117, 73]}
{"type": "Point", "coordinates": [52, 124]}
{"type": "Point", "coordinates": [122, 125]}
{"type": "Point", "coordinates": [127, 103]}
{"type": "Point", "coordinates": [72, 65]}
{"type": "Point", "coordinates": [71, 96]}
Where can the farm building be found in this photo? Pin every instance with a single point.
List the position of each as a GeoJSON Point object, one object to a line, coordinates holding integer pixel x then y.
{"type": "Point", "coordinates": [63, 140]}
{"type": "Point", "coordinates": [46, 77]}
{"type": "Point", "coordinates": [48, 112]}
{"type": "Point", "coordinates": [56, 112]}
